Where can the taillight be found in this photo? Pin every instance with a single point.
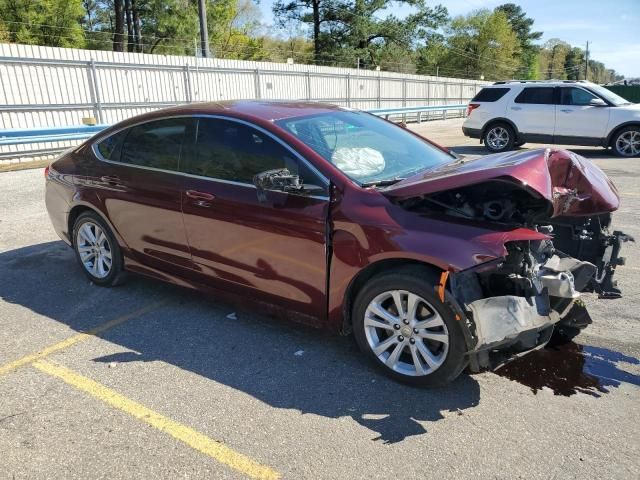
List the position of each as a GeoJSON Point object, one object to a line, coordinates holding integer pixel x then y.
{"type": "Point", "coordinates": [471, 107]}
{"type": "Point", "coordinates": [46, 171]}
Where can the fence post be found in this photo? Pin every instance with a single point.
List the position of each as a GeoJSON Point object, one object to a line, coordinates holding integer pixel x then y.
{"type": "Point", "coordinates": [256, 78]}
{"type": "Point", "coordinates": [428, 99]}
{"type": "Point", "coordinates": [348, 78]}
{"type": "Point", "coordinates": [404, 98]}
{"type": "Point", "coordinates": [379, 91]}
{"type": "Point", "coordinates": [187, 83]}
{"type": "Point", "coordinates": [308, 85]}
{"type": "Point", "coordinates": [94, 91]}
{"type": "Point", "coordinates": [446, 99]}
{"type": "Point", "coordinates": [461, 97]}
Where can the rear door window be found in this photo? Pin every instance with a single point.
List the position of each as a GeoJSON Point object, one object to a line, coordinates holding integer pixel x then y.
{"type": "Point", "coordinates": [156, 144]}
{"type": "Point", "coordinates": [575, 96]}
{"type": "Point", "coordinates": [490, 94]}
{"type": "Point", "coordinates": [536, 95]}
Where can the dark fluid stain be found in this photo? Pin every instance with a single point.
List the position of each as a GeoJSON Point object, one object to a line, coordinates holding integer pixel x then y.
{"type": "Point", "coordinates": [571, 368]}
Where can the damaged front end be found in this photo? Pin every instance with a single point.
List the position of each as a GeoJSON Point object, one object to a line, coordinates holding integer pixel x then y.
{"type": "Point", "coordinates": [513, 304]}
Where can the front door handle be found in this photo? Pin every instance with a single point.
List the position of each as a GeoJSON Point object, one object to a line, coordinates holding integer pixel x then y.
{"type": "Point", "coordinates": [194, 194]}
{"type": "Point", "coordinates": [566, 110]}
{"type": "Point", "coordinates": [516, 108]}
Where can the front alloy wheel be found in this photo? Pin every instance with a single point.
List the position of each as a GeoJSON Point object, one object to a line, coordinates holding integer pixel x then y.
{"type": "Point", "coordinates": [405, 329]}
{"type": "Point", "coordinates": [406, 333]}
{"type": "Point", "coordinates": [627, 142]}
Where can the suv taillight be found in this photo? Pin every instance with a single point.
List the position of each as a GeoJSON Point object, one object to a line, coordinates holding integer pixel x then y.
{"type": "Point", "coordinates": [46, 171]}
{"type": "Point", "coordinates": [471, 107]}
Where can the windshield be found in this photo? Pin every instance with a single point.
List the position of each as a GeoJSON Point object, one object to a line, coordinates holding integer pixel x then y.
{"type": "Point", "coordinates": [608, 95]}
{"type": "Point", "coordinates": [366, 148]}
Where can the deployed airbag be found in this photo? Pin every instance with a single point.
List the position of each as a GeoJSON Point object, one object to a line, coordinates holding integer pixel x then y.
{"type": "Point", "coordinates": [358, 162]}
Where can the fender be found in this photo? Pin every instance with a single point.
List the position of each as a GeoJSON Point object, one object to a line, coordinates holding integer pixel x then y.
{"type": "Point", "coordinates": [614, 130]}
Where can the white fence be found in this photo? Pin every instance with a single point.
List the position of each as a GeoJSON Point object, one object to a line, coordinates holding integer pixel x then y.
{"type": "Point", "coordinates": [48, 87]}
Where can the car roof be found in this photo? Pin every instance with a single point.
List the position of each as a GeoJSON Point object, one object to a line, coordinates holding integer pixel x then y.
{"type": "Point", "coordinates": [268, 110]}
{"type": "Point", "coordinates": [539, 83]}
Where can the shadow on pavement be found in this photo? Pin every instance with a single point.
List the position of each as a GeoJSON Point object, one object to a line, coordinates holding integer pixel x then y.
{"type": "Point", "coordinates": [252, 353]}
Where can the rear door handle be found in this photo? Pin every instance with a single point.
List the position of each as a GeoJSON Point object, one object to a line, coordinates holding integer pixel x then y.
{"type": "Point", "coordinates": [516, 108]}
{"type": "Point", "coordinates": [109, 179]}
{"type": "Point", "coordinates": [566, 110]}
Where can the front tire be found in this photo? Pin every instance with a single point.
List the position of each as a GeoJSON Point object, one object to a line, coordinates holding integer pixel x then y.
{"type": "Point", "coordinates": [97, 250]}
{"type": "Point", "coordinates": [626, 142]}
{"type": "Point", "coordinates": [499, 137]}
{"type": "Point", "coordinates": [404, 329]}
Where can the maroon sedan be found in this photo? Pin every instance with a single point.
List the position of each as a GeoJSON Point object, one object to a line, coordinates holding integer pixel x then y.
{"type": "Point", "coordinates": [343, 220]}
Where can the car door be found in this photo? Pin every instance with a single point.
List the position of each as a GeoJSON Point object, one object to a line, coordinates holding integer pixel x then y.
{"type": "Point", "coordinates": [577, 120]}
{"type": "Point", "coordinates": [533, 112]}
{"type": "Point", "coordinates": [140, 189]}
{"type": "Point", "coordinates": [271, 247]}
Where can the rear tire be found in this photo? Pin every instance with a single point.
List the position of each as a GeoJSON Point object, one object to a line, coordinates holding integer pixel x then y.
{"type": "Point", "coordinates": [499, 137]}
{"type": "Point", "coordinates": [422, 345]}
{"type": "Point", "coordinates": [626, 142]}
{"type": "Point", "coordinates": [97, 250]}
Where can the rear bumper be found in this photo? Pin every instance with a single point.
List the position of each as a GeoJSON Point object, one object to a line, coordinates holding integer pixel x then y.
{"type": "Point", "coordinates": [472, 132]}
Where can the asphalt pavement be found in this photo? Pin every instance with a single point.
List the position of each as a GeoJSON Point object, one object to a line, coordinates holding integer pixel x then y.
{"type": "Point", "coordinates": [150, 380]}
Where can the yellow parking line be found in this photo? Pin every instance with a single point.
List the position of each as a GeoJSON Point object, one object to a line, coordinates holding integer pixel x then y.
{"type": "Point", "coordinates": [76, 339]}
{"type": "Point", "coordinates": [630, 194]}
{"type": "Point", "coordinates": [192, 438]}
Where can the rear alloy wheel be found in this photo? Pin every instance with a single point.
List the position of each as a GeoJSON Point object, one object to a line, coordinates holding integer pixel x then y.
{"type": "Point", "coordinates": [627, 142]}
{"type": "Point", "coordinates": [405, 329]}
{"type": "Point", "coordinates": [97, 250]}
{"type": "Point", "coordinates": [499, 137]}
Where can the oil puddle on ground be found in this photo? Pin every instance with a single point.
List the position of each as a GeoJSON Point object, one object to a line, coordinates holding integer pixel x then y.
{"type": "Point", "coordinates": [572, 368]}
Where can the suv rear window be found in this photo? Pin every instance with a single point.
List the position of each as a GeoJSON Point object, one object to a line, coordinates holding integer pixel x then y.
{"type": "Point", "coordinates": [538, 95]}
{"type": "Point", "coordinates": [490, 94]}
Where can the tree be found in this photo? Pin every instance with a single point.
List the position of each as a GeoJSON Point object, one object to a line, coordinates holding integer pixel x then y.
{"type": "Point", "coordinates": [521, 25]}
{"type": "Point", "coordinates": [346, 29]}
{"type": "Point", "coordinates": [552, 59]}
{"type": "Point", "coordinates": [482, 44]}
{"type": "Point", "coordinates": [574, 64]}
{"type": "Point", "coordinates": [54, 23]}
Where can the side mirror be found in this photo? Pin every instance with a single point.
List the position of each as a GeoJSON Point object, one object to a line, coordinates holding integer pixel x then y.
{"type": "Point", "coordinates": [597, 102]}
{"type": "Point", "coordinates": [281, 180]}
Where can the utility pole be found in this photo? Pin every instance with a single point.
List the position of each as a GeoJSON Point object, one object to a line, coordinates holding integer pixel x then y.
{"type": "Point", "coordinates": [586, 63]}
{"type": "Point", "coordinates": [204, 33]}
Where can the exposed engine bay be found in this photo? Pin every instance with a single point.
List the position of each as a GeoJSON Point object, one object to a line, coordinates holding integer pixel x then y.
{"type": "Point", "coordinates": [515, 303]}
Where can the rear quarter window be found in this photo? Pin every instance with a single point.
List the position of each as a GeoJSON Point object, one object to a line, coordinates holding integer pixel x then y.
{"type": "Point", "coordinates": [490, 94]}
{"type": "Point", "coordinates": [109, 148]}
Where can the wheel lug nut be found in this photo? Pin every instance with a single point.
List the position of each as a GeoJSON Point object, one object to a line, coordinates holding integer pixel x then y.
{"type": "Point", "coordinates": [396, 326]}
{"type": "Point", "coordinates": [412, 341]}
{"type": "Point", "coordinates": [406, 321]}
{"type": "Point", "coordinates": [401, 338]}
{"type": "Point", "coordinates": [415, 330]}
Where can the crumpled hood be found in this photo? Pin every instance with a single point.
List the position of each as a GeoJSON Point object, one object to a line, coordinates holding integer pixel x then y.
{"type": "Point", "coordinates": [570, 182]}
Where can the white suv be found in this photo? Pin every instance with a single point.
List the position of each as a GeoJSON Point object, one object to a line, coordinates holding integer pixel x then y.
{"type": "Point", "coordinates": [508, 114]}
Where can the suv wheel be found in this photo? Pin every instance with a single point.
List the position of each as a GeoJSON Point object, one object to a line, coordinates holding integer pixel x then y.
{"type": "Point", "coordinates": [499, 137]}
{"type": "Point", "coordinates": [404, 329]}
{"type": "Point", "coordinates": [626, 143]}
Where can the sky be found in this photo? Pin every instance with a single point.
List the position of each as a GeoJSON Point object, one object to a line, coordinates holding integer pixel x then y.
{"type": "Point", "coordinates": [612, 27]}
